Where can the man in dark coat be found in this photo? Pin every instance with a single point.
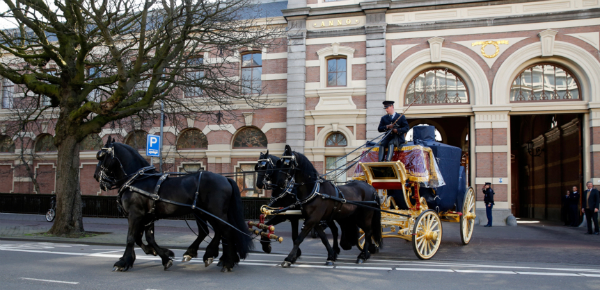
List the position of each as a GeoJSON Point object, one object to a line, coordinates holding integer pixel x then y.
{"type": "Point", "coordinates": [589, 205]}
{"type": "Point", "coordinates": [488, 199]}
{"type": "Point", "coordinates": [399, 126]}
{"type": "Point", "coordinates": [573, 201]}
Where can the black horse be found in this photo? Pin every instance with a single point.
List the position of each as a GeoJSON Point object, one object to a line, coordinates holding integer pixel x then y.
{"type": "Point", "coordinates": [281, 198]}
{"type": "Point", "coordinates": [312, 194]}
{"type": "Point", "coordinates": [216, 198]}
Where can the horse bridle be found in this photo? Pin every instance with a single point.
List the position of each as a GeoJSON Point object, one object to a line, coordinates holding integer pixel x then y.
{"type": "Point", "coordinates": [106, 181]}
{"type": "Point", "coordinates": [265, 165]}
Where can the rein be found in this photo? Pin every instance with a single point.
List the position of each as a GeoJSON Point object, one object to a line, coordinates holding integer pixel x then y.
{"type": "Point", "coordinates": [131, 178]}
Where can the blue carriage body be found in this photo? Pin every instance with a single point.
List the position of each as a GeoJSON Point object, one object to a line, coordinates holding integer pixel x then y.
{"type": "Point", "coordinates": [449, 196]}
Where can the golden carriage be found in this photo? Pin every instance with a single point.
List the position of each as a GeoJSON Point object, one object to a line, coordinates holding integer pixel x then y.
{"type": "Point", "coordinates": [409, 214]}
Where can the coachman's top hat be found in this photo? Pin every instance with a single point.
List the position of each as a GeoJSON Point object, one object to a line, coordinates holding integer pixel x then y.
{"type": "Point", "coordinates": [388, 103]}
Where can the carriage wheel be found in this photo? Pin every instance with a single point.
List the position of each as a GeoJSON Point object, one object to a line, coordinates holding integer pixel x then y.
{"type": "Point", "coordinates": [427, 235]}
{"type": "Point", "coordinates": [361, 241]}
{"type": "Point", "coordinates": [467, 219]}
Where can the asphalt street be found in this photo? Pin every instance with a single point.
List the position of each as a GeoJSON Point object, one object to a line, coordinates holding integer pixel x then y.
{"type": "Point", "coordinates": [533, 255]}
{"type": "Point", "coordinates": [42, 265]}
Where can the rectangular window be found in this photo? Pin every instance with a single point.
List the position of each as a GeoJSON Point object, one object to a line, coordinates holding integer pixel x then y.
{"type": "Point", "coordinates": [246, 180]}
{"type": "Point", "coordinates": [7, 94]}
{"type": "Point", "coordinates": [193, 167]}
{"type": "Point", "coordinates": [194, 76]}
{"type": "Point", "coordinates": [336, 72]}
{"type": "Point", "coordinates": [251, 73]}
{"type": "Point", "coordinates": [336, 162]}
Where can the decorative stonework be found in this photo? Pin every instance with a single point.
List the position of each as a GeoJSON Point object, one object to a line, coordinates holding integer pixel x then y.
{"type": "Point", "coordinates": [248, 118]}
{"type": "Point", "coordinates": [547, 38]}
{"type": "Point", "coordinates": [397, 50]}
{"type": "Point", "coordinates": [435, 47]}
{"type": "Point", "coordinates": [490, 49]}
{"type": "Point", "coordinates": [593, 38]}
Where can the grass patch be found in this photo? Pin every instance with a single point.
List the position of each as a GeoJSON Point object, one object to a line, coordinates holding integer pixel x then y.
{"type": "Point", "coordinates": [72, 236]}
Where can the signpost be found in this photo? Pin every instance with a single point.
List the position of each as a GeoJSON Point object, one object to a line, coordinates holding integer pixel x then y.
{"type": "Point", "coordinates": [153, 146]}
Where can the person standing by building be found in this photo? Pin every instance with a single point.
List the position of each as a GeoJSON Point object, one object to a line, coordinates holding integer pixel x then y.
{"type": "Point", "coordinates": [589, 206]}
{"type": "Point", "coordinates": [573, 203]}
{"type": "Point", "coordinates": [488, 199]}
{"type": "Point", "coordinates": [396, 137]}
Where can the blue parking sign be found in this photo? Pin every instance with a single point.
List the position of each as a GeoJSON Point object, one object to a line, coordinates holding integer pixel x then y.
{"type": "Point", "coordinates": [153, 146]}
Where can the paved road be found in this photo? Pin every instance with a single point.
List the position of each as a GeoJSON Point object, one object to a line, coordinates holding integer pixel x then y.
{"type": "Point", "coordinates": [530, 256]}
{"type": "Point", "coordinates": [42, 265]}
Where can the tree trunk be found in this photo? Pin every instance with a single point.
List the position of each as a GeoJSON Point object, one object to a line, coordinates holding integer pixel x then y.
{"type": "Point", "coordinates": [68, 220]}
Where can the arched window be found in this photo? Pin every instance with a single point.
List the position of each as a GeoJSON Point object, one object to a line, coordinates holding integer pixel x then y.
{"type": "Point", "coordinates": [45, 143]}
{"type": "Point", "coordinates": [336, 140]}
{"type": "Point", "coordinates": [91, 142]}
{"type": "Point", "coordinates": [337, 72]}
{"type": "Point", "coordinates": [6, 144]}
{"type": "Point", "coordinates": [436, 86]}
{"type": "Point", "coordinates": [545, 82]}
{"type": "Point", "coordinates": [250, 137]}
{"type": "Point", "coordinates": [192, 139]}
{"type": "Point", "coordinates": [137, 140]}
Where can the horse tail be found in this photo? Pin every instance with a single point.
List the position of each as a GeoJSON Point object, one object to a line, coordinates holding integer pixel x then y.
{"type": "Point", "coordinates": [243, 242]}
{"type": "Point", "coordinates": [376, 223]}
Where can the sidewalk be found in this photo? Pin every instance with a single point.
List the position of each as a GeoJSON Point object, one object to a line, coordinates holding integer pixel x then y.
{"type": "Point", "coordinates": [536, 242]}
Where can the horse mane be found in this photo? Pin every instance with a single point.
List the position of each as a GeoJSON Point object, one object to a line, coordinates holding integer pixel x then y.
{"type": "Point", "coordinates": [135, 155]}
{"type": "Point", "coordinates": [305, 166]}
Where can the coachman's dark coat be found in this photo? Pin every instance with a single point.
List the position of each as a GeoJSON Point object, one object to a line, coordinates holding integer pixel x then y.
{"type": "Point", "coordinates": [396, 138]}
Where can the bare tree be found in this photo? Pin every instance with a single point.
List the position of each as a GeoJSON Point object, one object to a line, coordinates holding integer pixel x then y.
{"type": "Point", "coordinates": [87, 63]}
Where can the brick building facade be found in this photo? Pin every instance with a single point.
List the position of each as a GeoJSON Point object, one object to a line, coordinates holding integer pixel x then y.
{"type": "Point", "coordinates": [514, 83]}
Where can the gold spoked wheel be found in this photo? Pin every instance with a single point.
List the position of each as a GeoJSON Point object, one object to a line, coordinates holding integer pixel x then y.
{"type": "Point", "coordinates": [427, 235]}
{"type": "Point", "coordinates": [467, 219]}
{"type": "Point", "coordinates": [361, 240]}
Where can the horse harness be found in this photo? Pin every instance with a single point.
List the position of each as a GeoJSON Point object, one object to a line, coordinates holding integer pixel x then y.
{"type": "Point", "coordinates": [154, 196]}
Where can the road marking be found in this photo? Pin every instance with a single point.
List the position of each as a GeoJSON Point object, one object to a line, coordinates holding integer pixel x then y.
{"type": "Point", "coordinates": [270, 263]}
{"type": "Point", "coordinates": [364, 268]}
{"type": "Point", "coordinates": [423, 270]}
{"type": "Point", "coordinates": [549, 274]}
{"type": "Point", "coordinates": [485, 272]}
{"type": "Point", "coordinates": [102, 253]}
{"type": "Point", "coordinates": [51, 281]}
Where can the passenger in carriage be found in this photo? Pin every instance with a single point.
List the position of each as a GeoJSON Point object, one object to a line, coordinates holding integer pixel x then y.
{"type": "Point", "coordinates": [399, 127]}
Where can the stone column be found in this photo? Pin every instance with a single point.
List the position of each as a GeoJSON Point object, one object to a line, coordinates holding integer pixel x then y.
{"type": "Point", "coordinates": [492, 164]}
{"type": "Point", "coordinates": [376, 69]}
{"type": "Point", "coordinates": [592, 152]}
{"type": "Point", "coordinates": [296, 82]}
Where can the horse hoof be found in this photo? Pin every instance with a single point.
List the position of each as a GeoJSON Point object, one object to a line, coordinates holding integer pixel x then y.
{"type": "Point", "coordinates": [186, 258]}
{"type": "Point", "coordinates": [360, 261]}
{"type": "Point", "coordinates": [120, 269]}
{"type": "Point", "coordinates": [154, 253]}
{"type": "Point", "coordinates": [168, 265]}
{"type": "Point", "coordinates": [208, 261]}
{"type": "Point", "coordinates": [115, 268]}
{"type": "Point", "coordinates": [226, 269]}
{"type": "Point", "coordinates": [329, 263]}
{"type": "Point", "coordinates": [286, 264]}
